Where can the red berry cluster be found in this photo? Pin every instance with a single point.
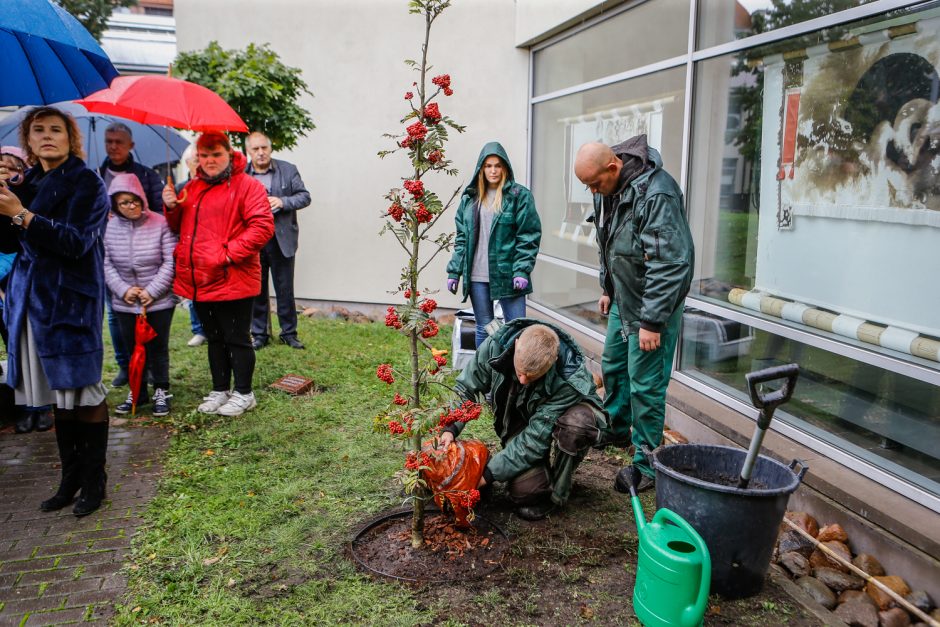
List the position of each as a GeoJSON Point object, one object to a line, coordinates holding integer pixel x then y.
{"type": "Point", "coordinates": [409, 95]}
{"type": "Point", "coordinates": [399, 399]}
{"type": "Point", "coordinates": [395, 427]}
{"type": "Point", "coordinates": [414, 461]}
{"type": "Point", "coordinates": [428, 306]}
{"type": "Point", "coordinates": [416, 187]}
{"type": "Point", "coordinates": [432, 113]}
{"type": "Point", "coordinates": [417, 131]}
{"type": "Point", "coordinates": [384, 373]}
{"type": "Point", "coordinates": [408, 293]}
{"type": "Point", "coordinates": [441, 360]}
{"type": "Point", "coordinates": [435, 155]}
{"type": "Point", "coordinates": [406, 143]}
{"type": "Point", "coordinates": [469, 498]}
{"type": "Point", "coordinates": [443, 81]}
{"type": "Point", "coordinates": [465, 413]}
{"type": "Point", "coordinates": [422, 214]}
{"type": "Point", "coordinates": [396, 211]}
{"type": "Point", "coordinates": [392, 319]}
{"type": "Point", "coordinates": [430, 329]}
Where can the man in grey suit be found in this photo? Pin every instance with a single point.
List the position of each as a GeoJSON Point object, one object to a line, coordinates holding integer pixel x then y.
{"type": "Point", "coordinates": [287, 195]}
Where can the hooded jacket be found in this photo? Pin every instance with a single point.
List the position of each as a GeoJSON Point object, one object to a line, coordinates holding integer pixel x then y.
{"type": "Point", "coordinates": [644, 243]}
{"type": "Point", "coordinates": [230, 219]}
{"type": "Point", "coordinates": [514, 238]}
{"type": "Point", "coordinates": [138, 252]}
{"type": "Point", "coordinates": [57, 279]}
{"type": "Point", "coordinates": [525, 415]}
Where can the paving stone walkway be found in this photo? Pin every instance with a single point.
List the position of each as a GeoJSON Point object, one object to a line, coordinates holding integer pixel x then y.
{"type": "Point", "coordinates": [56, 568]}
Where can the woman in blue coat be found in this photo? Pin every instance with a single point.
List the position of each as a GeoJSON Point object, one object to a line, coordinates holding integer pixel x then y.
{"type": "Point", "coordinates": [55, 300]}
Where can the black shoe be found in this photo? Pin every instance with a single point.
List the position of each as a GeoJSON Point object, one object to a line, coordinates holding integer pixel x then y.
{"type": "Point", "coordinates": [126, 407]}
{"type": "Point", "coordinates": [161, 402]}
{"type": "Point", "coordinates": [258, 343]}
{"type": "Point", "coordinates": [44, 420]}
{"type": "Point", "coordinates": [67, 439]}
{"type": "Point", "coordinates": [293, 342]}
{"type": "Point", "coordinates": [120, 379]}
{"type": "Point", "coordinates": [608, 439]}
{"type": "Point", "coordinates": [538, 511]}
{"type": "Point", "coordinates": [26, 422]}
{"type": "Point", "coordinates": [625, 478]}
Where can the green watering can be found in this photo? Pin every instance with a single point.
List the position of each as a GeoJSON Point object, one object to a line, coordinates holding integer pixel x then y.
{"type": "Point", "coordinates": [674, 569]}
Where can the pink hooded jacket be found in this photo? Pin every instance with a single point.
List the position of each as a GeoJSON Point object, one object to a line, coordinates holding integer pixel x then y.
{"type": "Point", "coordinates": [138, 253]}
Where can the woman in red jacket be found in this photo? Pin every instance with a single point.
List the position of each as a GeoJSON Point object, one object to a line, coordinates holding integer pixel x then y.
{"type": "Point", "coordinates": [223, 220]}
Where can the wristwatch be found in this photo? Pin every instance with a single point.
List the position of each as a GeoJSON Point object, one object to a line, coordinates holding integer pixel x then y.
{"type": "Point", "coordinates": [20, 217]}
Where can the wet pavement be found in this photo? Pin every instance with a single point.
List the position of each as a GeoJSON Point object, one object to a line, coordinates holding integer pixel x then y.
{"type": "Point", "coordinates": [56, 568]}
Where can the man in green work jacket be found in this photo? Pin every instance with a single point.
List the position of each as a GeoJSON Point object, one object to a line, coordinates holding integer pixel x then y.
{"type": "Point", "coordinates": [546, 412]}
{"type": "Point", "coordinates": [646, 263]}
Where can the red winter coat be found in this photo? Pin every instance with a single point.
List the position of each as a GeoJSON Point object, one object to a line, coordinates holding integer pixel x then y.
{"type": "Point", "coordinates": [229, 219]}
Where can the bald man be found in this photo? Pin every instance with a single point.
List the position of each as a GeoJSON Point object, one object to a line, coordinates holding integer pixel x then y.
{"type": "Point", "coordinates": [646, 259]}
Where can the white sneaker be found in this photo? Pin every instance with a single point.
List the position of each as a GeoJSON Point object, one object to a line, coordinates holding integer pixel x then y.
{"type": "Point", "coordinates": [238, 404]}
{"type": "Point", "coordinates": [213, 402]}
{"type": "Point", "coordinates": [196, 340]}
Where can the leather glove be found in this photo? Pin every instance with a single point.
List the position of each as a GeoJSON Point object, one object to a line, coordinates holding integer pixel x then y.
{"type": "Point", "coordinates": [452, 286]}
{"type": "Point", "coordinates": [518, 283]}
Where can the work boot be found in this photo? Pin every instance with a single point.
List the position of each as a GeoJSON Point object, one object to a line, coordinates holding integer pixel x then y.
{"type": "Point", "coordinates": [94, 438]}
{"type": "Point", "coordinates": [625, 478]}
{"type": "Point", "coordinates": [68, 439]}
{"type": "Point", "coordinates": [537, 511]}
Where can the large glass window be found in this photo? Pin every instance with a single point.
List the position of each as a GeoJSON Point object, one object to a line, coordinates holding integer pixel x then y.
{"type": "Point", "coordinates": [814, 196]}
{"type": "Point", "coordinates": [621, 43]}
{"type": "Point", "coordinates": [651, 105]}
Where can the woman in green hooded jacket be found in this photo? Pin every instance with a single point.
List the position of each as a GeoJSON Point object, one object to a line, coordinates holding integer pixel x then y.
{"type": "Point", "coordinates": [498, 235]}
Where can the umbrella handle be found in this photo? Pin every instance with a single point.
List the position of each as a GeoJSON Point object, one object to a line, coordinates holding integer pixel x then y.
{"type": "Point", "coordinates": [181, 197]}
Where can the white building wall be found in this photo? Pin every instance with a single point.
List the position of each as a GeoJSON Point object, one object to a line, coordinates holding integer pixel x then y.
{"type": "Point", "coordinates": [535, 18]}
{"type": "Point", "coordinates": [351, 54]}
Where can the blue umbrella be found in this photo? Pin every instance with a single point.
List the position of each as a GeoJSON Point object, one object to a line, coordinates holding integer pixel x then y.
{"type": "Point", "coordinates": [153, 145]}
{"type": "Point", "coordinates": [48, 56]}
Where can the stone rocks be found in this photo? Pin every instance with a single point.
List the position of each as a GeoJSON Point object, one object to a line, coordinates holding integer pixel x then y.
{"type": "Point", "coordinates": [794, 541]}
{"type": "Point", "coordinates": [832, 532]}
{"type": "Point", "coordinates": [920, 600]}
{"type": "Point", "coordinates": [858, 614]}
{"type": "Point", "coordinates": [881, 598]}
{"type": "Point", "coordinates": [818, 558]}
{"type": "Point", "coordinates": [796, 563]}
{"type": "Point", "coordinates": [818, 591]}
{"type": "Point", "coordinates": [856, 595]}
{"type": "Point", "coordinates": [895, 617]}
{"type": "Point", "coordinates": [802, 520]}
{"type": "Point", "coordinates": [838, 581]}
{"type": "Point", "coordinates": [869, 564]}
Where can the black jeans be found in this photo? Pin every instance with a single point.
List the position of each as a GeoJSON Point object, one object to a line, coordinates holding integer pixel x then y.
{"type": "Point", "coordinates": [158, 349]}
{"type": "Point", "coordinates": [282, 269]}
{"type": "Point", "coordinates": [226, 324]}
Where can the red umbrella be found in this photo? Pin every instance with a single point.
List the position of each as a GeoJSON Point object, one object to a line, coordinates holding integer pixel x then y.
{"type": "Point", "coordinates": [143, 333]}
{"type": "Point", "coordinates": [157, 99]}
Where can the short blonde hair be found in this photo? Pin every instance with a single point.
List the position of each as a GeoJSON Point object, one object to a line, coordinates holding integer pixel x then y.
{"type": "Point", "coordinates": [536, 350]}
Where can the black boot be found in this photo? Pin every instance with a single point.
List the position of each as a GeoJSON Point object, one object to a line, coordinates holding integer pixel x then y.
{"type": "Point", "coordinates": [68, 439]}
{"type": "Point", "coordinates": [94, 456]}
{"type": "Point", "coordinates": [26, 422]}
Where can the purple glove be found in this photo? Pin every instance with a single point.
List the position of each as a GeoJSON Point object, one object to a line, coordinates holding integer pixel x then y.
{"type": "Point", "coordinates": [452, 286]}
{"type": "Point", "coordinates": [519, 283]}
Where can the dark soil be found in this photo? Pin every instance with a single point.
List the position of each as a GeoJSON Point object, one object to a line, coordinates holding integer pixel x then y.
{"type": "Point", "coordinates": [449, 554]}
{"type": "Point", "coordinates": [578, 567]}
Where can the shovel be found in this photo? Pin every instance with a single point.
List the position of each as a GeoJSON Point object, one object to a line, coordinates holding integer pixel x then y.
{"type": "Point", "coordinates": [766, 403]}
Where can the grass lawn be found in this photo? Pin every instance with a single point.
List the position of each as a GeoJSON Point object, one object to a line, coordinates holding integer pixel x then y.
{"type": "Point", "coordinates": [253, 514]}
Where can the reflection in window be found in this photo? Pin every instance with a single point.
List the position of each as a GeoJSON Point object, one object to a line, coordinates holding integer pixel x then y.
{"type": "Point", "coordinates": [830, 217]}
{"type": "Point", "coordinates": [569, 292]}
{"type": "Point", "coordinates": [884, 418]}
{"type": "Point", "coordinates": [651, 104]}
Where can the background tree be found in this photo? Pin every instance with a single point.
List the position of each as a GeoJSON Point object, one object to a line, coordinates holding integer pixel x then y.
{"type": "Point", "coordinates": [93, 14]}
{"type": "Point", "coordinates": [263, 90]}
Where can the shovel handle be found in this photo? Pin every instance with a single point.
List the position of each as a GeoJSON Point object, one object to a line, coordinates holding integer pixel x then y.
{"type": "Point", "coordinates": [775, 397]}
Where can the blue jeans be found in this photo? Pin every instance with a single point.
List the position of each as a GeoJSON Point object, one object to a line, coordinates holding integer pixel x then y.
{"type": "Point", "coordinates": [483, 308]}
{"type": "Point", "coordinates": [121, 354]}
{"type": "Point", "coordinates": [194, 321]}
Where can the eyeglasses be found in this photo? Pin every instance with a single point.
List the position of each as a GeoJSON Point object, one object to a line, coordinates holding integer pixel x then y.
{"type": "Point", "coordinates": [130, 203]}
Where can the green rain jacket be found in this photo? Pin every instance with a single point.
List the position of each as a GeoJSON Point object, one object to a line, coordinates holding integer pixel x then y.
{"type": "Point", "coordinates": [514, 238]}
{"type": "Point", "coordinates": [525, 416]}
{"type": "Point", "coordinates": [645, 248]}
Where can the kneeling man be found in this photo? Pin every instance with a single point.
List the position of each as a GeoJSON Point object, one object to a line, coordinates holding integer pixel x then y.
{"type": "Point", "coordinates": [547, 412]}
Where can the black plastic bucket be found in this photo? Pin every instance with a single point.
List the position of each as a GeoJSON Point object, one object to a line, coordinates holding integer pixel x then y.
{"type": "Point", "coordinates": [699, 482]}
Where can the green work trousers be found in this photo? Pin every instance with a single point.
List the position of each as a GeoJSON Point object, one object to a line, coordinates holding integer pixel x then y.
{"type": "Point", "coordinates": [635, 383]}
